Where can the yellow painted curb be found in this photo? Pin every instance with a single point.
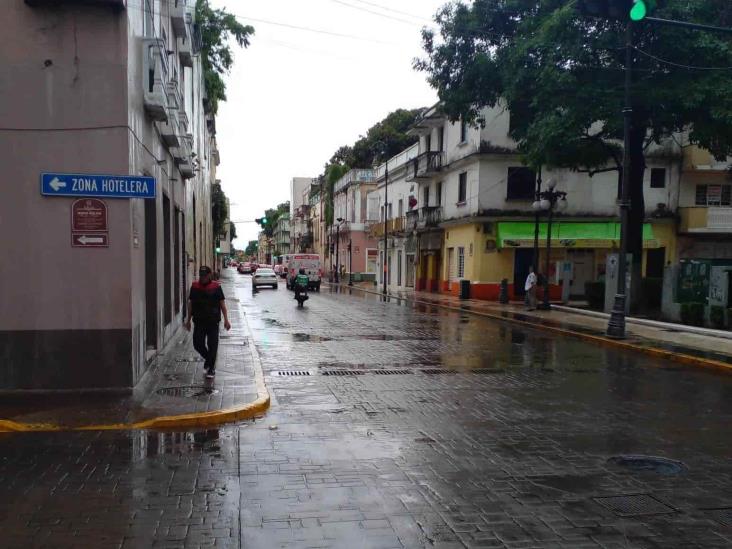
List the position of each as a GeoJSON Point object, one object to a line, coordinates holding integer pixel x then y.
{"type": "Point", "coordinates": [680, 358]}
{"type": "Point", "coordinates": [203, 419]}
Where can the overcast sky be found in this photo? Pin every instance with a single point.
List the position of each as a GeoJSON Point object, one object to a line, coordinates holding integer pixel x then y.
{"type": "Point", "coordinates": [295, 96]}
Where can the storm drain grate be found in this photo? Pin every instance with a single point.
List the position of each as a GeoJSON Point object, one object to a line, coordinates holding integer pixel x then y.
{"type": "Point", "coordinates": [435, 371]}
{"type": "Point", "coordinates": [389, 372]}
{"type": "Point", "coordinates": [342, 373]}
{"type": "Point", "coordinates": [722, 515]}
{"type": "Point", "coordinates": [188, 391]}
{"type": "Point", "coordinates": [293, 373]}
{"type": "Point", "coordinates": [634, 505]}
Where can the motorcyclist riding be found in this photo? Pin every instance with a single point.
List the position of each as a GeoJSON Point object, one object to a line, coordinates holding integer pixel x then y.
{"type": "Point", "coordinates": [301, 283]}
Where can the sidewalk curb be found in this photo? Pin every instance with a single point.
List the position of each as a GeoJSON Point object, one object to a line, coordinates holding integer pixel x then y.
{"type": "Point", "coordinates": [680, 358]}
{"type": "Point", "coordinates": [202, 419]}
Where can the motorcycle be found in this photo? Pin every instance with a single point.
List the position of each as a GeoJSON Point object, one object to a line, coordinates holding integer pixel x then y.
{"type": "Point", "coordinates": [301, 295]}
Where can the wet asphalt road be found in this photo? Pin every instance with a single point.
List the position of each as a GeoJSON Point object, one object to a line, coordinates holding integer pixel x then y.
{"type": "Point", "coordinates": [396, 426]}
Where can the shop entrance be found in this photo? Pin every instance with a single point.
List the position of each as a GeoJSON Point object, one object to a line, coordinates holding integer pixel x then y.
{"type": "Point", "coordinates": [523, 259]}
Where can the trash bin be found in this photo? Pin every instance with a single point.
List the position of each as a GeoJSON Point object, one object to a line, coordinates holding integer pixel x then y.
{"type": "Point", "coordinates": [465, 289]}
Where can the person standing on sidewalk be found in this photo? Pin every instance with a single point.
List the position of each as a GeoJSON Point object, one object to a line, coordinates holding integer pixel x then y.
{"type": "Point", "coordinates": [530, 288]}
{"type": "Point", "coordinates": [205, 306]}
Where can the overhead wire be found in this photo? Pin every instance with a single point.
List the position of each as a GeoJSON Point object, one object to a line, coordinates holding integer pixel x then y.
{"type": "Point", "coordinates": [680, 65]}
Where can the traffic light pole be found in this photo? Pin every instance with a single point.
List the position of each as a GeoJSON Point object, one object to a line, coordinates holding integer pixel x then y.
{"type": "Point", "coordinates": [616, 324]}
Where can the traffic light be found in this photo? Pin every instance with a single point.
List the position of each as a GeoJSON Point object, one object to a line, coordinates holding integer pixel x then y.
{"type": "Point", "coordinates": [641, 9]}
{"type": "Point", "coordinates": [636, 10]}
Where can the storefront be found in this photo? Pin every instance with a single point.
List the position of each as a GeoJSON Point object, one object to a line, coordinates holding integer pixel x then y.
{"type": "Point", "coordinates": [487, 253]}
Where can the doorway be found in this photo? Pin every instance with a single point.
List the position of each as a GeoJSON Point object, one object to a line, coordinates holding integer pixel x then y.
{"type": "Point", "coordinates": [583, 270]}
{"type": "Point", "coordinates": [167, 263]}
{"type": "Point", "coordinates": [523, 259]}
{"type": "Point", "coordinates": [151, 275]}
{"type": "Point", "coordinates": [655, 262]}
{"type": "Point", "coordinates": [409, 280]}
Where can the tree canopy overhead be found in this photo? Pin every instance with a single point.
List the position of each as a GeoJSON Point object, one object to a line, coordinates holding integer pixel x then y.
{"type": "Point", "coordinates": [216, 27]}
{"type": "Point", "coordinates": [382, 140]}
{"type": "Point", "coordinates": [561, 77]}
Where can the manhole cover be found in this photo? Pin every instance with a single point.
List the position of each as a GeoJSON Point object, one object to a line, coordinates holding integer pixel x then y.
{"type": "Point", "coordinates": [390, 372]}
{"type": "Point", "coordinates": [189, 391]}
{"type": "Point", "coordinates": [660, 465]}
{"type": "Point", "coordinates": [722, 515]}
{"type": "Point", "coordinates": [342, 373]}
{"type": "Point", "coordinates": [293, 373]}
{"type": "Point", "coordinates": [634, 505]}
{"type": "Point", "coordinates": [435, 371]}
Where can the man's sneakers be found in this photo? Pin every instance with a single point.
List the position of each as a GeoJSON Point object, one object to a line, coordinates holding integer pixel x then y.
{"type": "Point", "coordinates": [210, 373]}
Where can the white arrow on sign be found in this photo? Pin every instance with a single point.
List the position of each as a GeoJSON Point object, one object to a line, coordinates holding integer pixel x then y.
{"type": "Point", "coordinates": [90, 239]}
{"type": "Point", "coordinates": [57, 184]}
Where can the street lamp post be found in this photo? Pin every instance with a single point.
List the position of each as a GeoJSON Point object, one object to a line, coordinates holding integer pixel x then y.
{"type": "Point", "coordinates": [548, 201]}
{"type": "Point", "coordinates": [338, 239]}
{"type": "Point", "coordinates": [350, 262]}
{"type": "Point", "coordinates": [537, 215]}
{"type": "Point", "coordinates": [386, 227]}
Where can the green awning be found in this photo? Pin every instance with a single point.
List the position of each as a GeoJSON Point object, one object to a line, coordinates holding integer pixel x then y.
{"type": "Point", "coordinates": [520, 234]}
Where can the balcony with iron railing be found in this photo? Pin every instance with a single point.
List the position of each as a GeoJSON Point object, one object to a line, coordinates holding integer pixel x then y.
{"type": "Point", "coordinates": [393, 226]}
{"type": "Point", "coordinates": [354, 177]}
{"type": "Point", "coordinates": [705, 219]}
{"type": "Point", "coordinates": [425, 165]}
{"type": "Point", "coordinates": [427, 217]}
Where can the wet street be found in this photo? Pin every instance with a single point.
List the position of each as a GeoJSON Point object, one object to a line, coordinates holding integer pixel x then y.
{"type": "Point", "coordinates": [392, 426]}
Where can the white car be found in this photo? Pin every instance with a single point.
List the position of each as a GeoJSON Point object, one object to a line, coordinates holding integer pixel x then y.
{"type": "Point", "coordinates": [264, 277]}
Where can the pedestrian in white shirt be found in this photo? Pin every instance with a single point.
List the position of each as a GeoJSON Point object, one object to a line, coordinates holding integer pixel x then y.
{"type": "Point", "coordinates": [530, 288]}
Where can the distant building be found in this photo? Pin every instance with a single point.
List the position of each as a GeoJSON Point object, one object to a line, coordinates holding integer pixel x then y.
{"type": "Point", "coordinates": [281, 235]}
{"type": "Point", "coordinates": [350, 224]}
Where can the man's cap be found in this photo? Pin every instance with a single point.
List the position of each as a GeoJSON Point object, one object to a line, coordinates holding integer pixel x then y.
{"type": "Point", "coordinates": [204, 270]}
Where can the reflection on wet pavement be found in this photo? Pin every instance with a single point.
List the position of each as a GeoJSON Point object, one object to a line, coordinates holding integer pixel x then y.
{"type": "Point", "coordinates": [497, 437]}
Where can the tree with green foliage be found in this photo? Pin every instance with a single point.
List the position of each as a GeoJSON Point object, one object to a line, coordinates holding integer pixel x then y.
{"type": "Point", "coordinates": [382, 140]}
{"type": "Point", "coordinates": [252, 248]}
{"type": "Point", "coordinates": [272, 215]}
{"type": "Point", "coordinates": [560, 75]}
{"type": "Point", "coordinates": [216, 27]}
{"type": "Point", "coordinates": [219, 209]}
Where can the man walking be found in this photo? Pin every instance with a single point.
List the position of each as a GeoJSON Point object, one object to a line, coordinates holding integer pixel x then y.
{"type": "Point", "coordinates": [530, 288]}
{"type": "Point", "coordinates": [205, 306]}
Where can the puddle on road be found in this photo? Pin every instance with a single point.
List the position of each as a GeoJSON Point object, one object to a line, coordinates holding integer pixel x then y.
{"type": "Point", "coordinates": [153, 443]}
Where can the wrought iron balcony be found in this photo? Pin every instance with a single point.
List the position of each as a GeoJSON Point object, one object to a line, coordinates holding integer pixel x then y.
{"type": "Point", "coordinates": [425, 165]}
{"type": "Point", "coordinates": [393, 226]}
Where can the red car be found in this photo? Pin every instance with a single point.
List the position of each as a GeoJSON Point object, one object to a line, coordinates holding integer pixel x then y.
{"type": "Point", "coordinates": [244, 268]}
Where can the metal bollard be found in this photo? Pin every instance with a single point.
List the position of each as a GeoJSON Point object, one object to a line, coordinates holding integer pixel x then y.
{"type": "Point", "coordinates": [503, 294]}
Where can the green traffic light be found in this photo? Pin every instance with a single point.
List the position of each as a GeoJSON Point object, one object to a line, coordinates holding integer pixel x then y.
{"type": "Point", "coordinates": [639, 10]}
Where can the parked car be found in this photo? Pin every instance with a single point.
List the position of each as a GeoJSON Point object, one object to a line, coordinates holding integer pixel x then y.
{"type": "Point", "coordinates": [244, 268]}
{"type": "Point", "coordinates": [311, 264]}
{"type": "Point", "coordinates": [278, 270]}
{"type": "Point", "coordinates": [264, 276]}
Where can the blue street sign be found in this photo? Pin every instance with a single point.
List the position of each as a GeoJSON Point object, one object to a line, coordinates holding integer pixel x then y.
{"type": "Point", "coordinates": [102, 186]}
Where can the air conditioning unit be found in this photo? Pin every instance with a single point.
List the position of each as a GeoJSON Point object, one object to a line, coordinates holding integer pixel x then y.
{"type": "Point", "coordinates": [183, 120]}
{"type": "Point", "coordinates": [185, 51]}
{"type": "Point", "coordinates": [169, 130]}
{"type": "Point", "coordinates": [155, 75]}
{"type": "Point", "coordinates": [178, 12]}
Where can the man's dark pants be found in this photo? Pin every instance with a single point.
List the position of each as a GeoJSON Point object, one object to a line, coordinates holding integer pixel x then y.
{"type": "Point", "coordinates": [206, 342]}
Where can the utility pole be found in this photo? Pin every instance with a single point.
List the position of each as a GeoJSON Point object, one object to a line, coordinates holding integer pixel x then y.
{"type": "Point", "coordinates": [616, 324]}
{"type": "Point", "coordinates": [386, 215]}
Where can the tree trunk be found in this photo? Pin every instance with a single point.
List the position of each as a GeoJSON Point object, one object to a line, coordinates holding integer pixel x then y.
{"type": "Point", "coordinates": [636, 215]}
